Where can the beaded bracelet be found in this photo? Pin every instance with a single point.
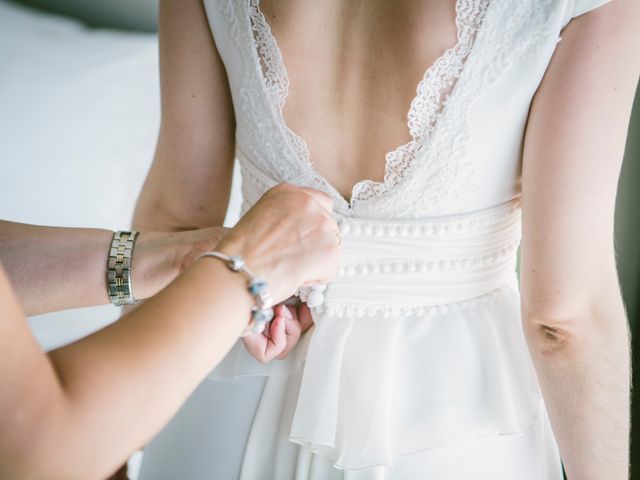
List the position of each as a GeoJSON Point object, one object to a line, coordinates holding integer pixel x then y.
{"type": "Point", "coordinates": [262, 312]}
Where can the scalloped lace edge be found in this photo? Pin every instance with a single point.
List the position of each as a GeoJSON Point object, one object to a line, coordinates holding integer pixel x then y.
{"type": "Point", "coordinates": [424, 110]}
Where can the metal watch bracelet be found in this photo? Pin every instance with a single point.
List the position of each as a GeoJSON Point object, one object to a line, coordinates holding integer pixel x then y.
{"type": "Point", "coordinates": [262, 312]}
{"type": "Point", "coordinates": [119, 268]}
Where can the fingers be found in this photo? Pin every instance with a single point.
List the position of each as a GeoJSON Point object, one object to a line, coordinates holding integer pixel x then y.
{"type": "Point", "coordinates": [283, 333]}
{"type": "Point", "coordinates": [292, 330]}
{"type": "Point", "coordinates": [277, 341]}
{"type": "Point", "coordinates": [266, 346]}
{"type": "Point", "coordinates": [304, 317]}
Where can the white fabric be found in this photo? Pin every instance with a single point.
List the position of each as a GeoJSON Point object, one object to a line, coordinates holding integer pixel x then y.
{"type": "Point", "coordinates": [416, 366]}
{"type": "Point", "coordinates": [580, 7]}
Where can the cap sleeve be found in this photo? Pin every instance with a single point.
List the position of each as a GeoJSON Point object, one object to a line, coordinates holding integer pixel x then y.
{"type": "Point", "coordinates": [575, 8]}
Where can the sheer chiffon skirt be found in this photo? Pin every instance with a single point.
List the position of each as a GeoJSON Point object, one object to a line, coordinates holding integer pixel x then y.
{"type": "Point", "coordinates": [530, 454]}
{"type": "Point", "coordinates": [450, 394]}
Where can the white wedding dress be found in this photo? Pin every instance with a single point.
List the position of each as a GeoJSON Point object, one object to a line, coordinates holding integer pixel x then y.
{"type": "Point", "coordinates": [416, 367]}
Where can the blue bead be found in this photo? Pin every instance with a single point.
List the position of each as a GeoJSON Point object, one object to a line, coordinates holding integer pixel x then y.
{"type": "Point", "coordinates": [257, 286]}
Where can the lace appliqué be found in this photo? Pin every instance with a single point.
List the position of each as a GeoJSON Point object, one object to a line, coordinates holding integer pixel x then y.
{"type": "Point", "coordinates": [275, 76]}
{"type": "Point", "coordinates": [258, 133]}
{"type": "Point", "coordinates": [509, 29]}
{"type": "Point", "coordinates": [426, 107]}
{"type": "Point", "coordinates": [424, 110]}
{"type": "Point", "coordinates": [436, 173]}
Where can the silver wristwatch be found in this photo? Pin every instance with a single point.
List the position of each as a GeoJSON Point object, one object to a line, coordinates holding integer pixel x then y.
{"type": "Point", "coordinates": [119, 268]}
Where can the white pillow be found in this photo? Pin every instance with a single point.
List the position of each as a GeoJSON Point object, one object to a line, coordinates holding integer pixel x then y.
{"type": "Point", "coordinates": [79, 115]}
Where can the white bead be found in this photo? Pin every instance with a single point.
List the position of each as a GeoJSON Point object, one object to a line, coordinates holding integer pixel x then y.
{"type": "Point", "coordinates": [315, 299]}
{"type": "Point", "coordinates": [319, 288]}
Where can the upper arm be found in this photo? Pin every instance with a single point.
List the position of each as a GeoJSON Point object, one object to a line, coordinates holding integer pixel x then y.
{"type": "Point", "coordinates": [189, 182]}
{"type": "Point", "coordinates": [573, 151]}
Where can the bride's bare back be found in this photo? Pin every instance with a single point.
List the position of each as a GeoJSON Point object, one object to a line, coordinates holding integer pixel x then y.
{"type": "Point", "coordinates": [353, 68]}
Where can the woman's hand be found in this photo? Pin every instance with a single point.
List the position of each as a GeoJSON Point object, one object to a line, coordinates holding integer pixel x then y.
{"type": "Point", "coordinates": [283, 333]}
{"type": "Point", "coordinates": [289, 238]}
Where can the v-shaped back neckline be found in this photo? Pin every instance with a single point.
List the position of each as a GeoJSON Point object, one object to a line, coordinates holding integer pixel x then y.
{"type": "Point", "coordinates": [424, 111]}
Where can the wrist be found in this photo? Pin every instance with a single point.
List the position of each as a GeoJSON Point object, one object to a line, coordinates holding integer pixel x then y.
{"type": "Point", "coordinates": [264, 263]}
{"type": "Point", "coordinates": [157, 260]}
{"type": "Point", "coordinates": [236, 247]}
{"type": "Point", "coordinates": [262, 311]}
{"type": "Point", "coordinates": [160, 257]}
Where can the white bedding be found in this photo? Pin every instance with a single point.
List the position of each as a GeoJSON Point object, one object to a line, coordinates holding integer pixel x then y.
{"type": "Point", "coordinates": [79, 113]}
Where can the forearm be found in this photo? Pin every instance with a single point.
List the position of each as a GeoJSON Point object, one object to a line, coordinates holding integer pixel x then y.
{"type": "Point", "coordinates": [584, 371]}
{"type": "Point", "coordinates": [167, 205]}
{"type": "Point", "coordinates": [56, 268]}
{"type": "Point", "coordinates": [142, 367]}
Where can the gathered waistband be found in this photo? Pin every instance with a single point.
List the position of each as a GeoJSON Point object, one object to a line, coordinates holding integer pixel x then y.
{"type": "Point", "coordinates": [392, 267]}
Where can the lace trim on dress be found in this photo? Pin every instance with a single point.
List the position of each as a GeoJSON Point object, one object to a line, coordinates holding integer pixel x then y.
{"type": "Point", "coordinates": [444, 172]}
{"type": "Point", "coordinates": [275, 75]}
{"type": "Point", "coordinates": [510, 29]}
{"type": "Point", "coordinates": [426, 107]}
{"type": "Point", "coordinates": [424, 110]}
